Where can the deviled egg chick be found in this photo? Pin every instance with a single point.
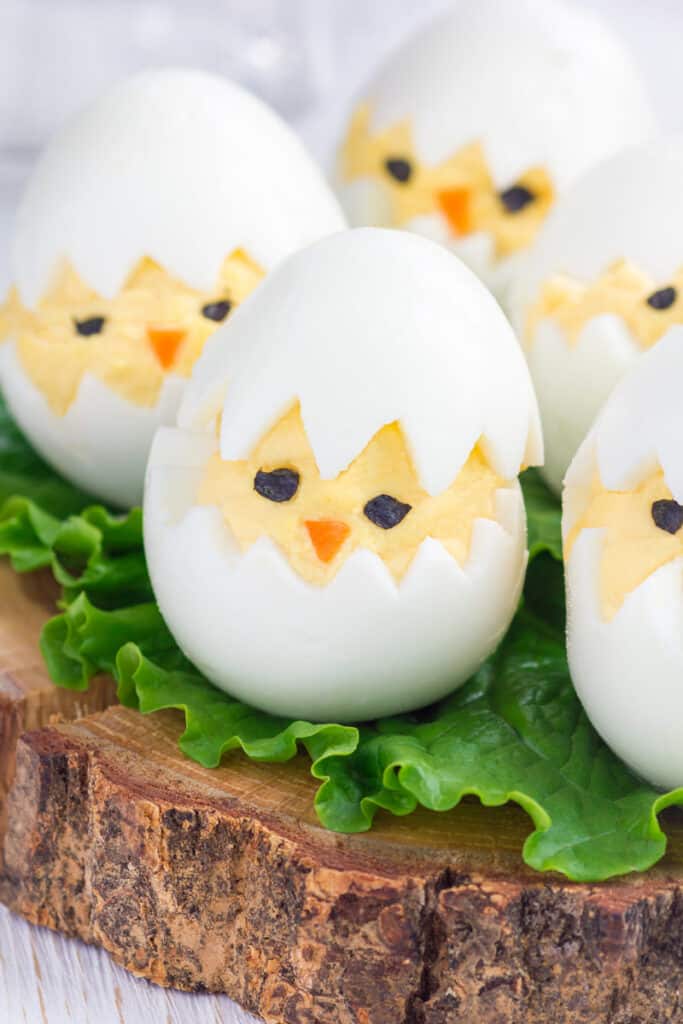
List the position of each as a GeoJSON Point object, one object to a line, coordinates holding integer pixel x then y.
{"type": "Point", "coordinates": [335, 529]}
{"type": "Point", "coordinates": [623, 539]}
{"type": "Point", "coordinates": [469, 132]}
{"type": "Point", "coordinates": [602, 284]}
{"type": "Point", "coordinates": [145, 223]}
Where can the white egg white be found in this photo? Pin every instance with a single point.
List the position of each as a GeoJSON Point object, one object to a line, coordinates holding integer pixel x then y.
{"type": "Point", "coordinates": [628, 669]}
{"type": "Point", "coordinates": [177, 165]}
{"type": "Point", "coordinates": [103, 440]}
{"type": "Point", "coordinates": [326, 330]}
{"type": "Point", "coordinates": [537, 82]}
{"type": "Point", "coordinates": [626, 208]}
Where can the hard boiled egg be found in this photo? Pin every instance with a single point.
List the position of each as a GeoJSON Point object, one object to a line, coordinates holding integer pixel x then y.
{"type": "Point", "coordinates": [145, 223]}
{"type": "Point", "coordinates": [603, 283]}
{"type": "Point", "coordinates": [470, 131]}
{"type": "Point", "coordinates": [623, 536]}
{"type": "Point", "coordinates": [335, 529]}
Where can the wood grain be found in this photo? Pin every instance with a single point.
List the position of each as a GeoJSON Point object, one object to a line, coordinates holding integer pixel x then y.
{"type": "Point", "coordinates": [222, 881]}
{"type": "Point", "coordinates": [28, 700]}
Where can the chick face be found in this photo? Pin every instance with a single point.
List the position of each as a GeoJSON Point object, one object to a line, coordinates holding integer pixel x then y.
{"type": "Point", "coordinates": [647, 308]}
{"type": "Point", "coordinates": [581, 335]}
{"type": "Point", "coordinates": [377, 503]}
{"type": "Point", "coordinates": [460, 190]}
{"type": "Point", "coordinates": [156, 325]}
{"type": "Point", "coordinates": [642, 532]}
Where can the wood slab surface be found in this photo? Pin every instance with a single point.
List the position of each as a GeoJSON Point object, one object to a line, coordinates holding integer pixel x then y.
{"type": "Point", "coordinates": [222, 880]}
{"type": "Point", "coordinates": [28, 700]}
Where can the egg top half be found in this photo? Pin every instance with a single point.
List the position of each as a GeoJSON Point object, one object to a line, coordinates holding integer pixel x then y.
{"type": "Point", "coordinates": [470, 131]}
{"type": "Point", "coordinates": [343, 481]}
{"type": "Point", "coordinates": [146, 222]}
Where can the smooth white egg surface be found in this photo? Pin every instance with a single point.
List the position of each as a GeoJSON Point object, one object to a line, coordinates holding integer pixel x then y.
{"type": "Point", "coordinates": [335, 530]}
{"type": "Point", "coordinates": [469, 132]}
{"type": "Point", "coordinates": [600, 286]}
{"type": "Point", "coordinates": [146, 222]}
{"type": "Point", "coordinates": [623, 537]}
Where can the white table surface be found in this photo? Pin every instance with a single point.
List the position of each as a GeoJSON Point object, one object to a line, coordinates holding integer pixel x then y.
{"type": "Point", "coordinates": [44, 978]}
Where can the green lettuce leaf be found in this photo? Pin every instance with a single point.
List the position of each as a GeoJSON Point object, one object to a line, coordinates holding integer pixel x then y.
{"type": "Point", "coordinates": [544, 532]}
{"type": "Point", "coordinates": [514, 732]}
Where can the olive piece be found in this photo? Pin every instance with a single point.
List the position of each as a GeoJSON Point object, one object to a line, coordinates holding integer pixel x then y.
{"type": "Point", "coordinates": [385, 511]}
{"type": "Point", "coordinates": [667, 515]}
{"type": "Point", "coordinates": [663, 298]}
{"type": "Point", "coordinates": [217, 310]}
{"type": "Point", "coordinates": [399, 169]}
{"type": "Point", "coordinates": [516, 198]}
{"type": "Point", "coordinates": [93, 325]}
{"type": "Point", "coordinates": [277, 485]}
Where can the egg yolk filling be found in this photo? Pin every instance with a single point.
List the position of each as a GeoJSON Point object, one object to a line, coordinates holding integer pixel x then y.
{"type": "Point", "coordinates": [376, 503]}
{"type": "Point", "coordinates": [648, 309]}
{"type": "Point", "coordinates": [154, 326]}
{"type": "Point", "coordinates": [642, 533]}
{"type": "Point", "coordinates": [461, 188]}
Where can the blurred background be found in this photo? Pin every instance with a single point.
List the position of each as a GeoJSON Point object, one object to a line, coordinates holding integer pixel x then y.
{"type": "Point", "coordinates": [305, 57]}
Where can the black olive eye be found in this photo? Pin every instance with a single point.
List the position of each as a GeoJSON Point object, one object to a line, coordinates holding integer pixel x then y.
{"type": "Point", "coordinates": [216, 310]}
{"type": "Point", "coordinates": [93, 325]}
{"type": "Point", "coordinates": [667, 515]}
{"type": "Point", "coordinates": [278, 485]}
{"type": "Point", "coordinates": [385, 511]}
{"type": "Point", "coordinates": [399, 169]}
{"type": "Point", "coordinates": [516, 198]}
{"type": "Point", "coordinates": [663, 298]}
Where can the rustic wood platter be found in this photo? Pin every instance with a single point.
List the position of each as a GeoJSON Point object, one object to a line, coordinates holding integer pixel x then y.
{"type": "Point", "coordinates": [222, 880]}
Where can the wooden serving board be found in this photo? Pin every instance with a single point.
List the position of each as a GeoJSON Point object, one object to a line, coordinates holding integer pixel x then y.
{"type": "Point", "coordinates": [223, 880]}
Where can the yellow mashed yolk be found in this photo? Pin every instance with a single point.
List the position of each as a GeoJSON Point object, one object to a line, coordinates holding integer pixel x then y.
{"type": "Point", "coordinates": [338, 510]}
{"type": "Point", "coordinates": [647, 309]}
{"type": "Point", "coordinates": [13, 316]}
{"type": "Point", "coordinates": [634, 544]}
{"type": "Point", "coordinates": [154, 326]}
{"type": "Point", "coordinates": [461, 188]}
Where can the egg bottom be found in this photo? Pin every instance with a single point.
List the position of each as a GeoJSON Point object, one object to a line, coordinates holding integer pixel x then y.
{"type": "Point", "coordinates": [361, 646]}
{"type": "Point", "coordinates": [628, 670]}
{"type": "Point", "coordinates": [102, 442]}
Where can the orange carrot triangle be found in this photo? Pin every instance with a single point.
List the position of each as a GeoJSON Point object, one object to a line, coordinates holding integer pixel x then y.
{"type": "Point", "coordinates": [327, 536]}
{"type": "Point", "coordinates": [165, 342]}
{"type": "Point", "coordinates": [455, 203]}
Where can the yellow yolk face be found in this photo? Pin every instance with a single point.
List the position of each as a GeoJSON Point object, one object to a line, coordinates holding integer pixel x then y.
{"type": "Point", "coordinates": [460, 188]}
{"type": "Point", "coordinates": [648, 309]}
{"type": "Point", "coordinates": [154, 326]}
{"type": "Point", "coordinates": [376, 503]}
{"type": "Point", "coordinates": [13, 316]}
{"type": "Point", "coordinates": [643, 531]}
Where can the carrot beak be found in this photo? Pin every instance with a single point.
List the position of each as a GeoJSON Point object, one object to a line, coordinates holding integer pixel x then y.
{"type": "Point", "coordinates": [455, 206]}
{"type": "Point", "coordinates": [165, 343]}
{"type": "Point", "coordinates": [327, 536]}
